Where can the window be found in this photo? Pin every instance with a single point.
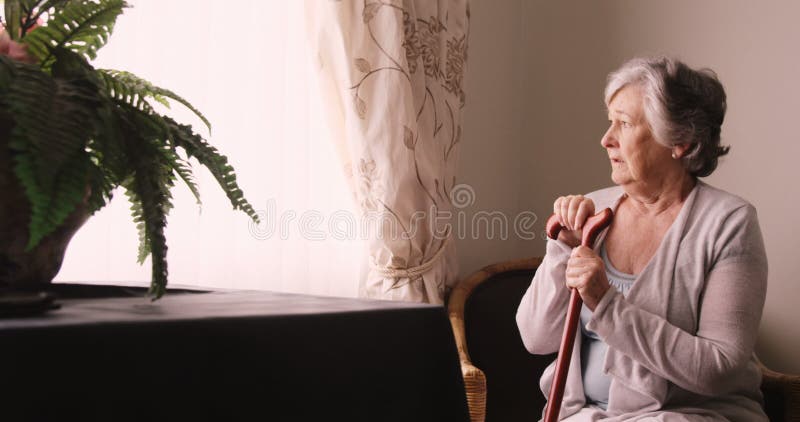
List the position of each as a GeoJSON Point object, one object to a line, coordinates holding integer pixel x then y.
{"type": "Point", "coordinates": [246, 67]}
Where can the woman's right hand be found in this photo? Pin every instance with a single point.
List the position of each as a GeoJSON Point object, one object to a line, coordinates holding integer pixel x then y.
{"type": "Point", "coordinates": [572, 212]}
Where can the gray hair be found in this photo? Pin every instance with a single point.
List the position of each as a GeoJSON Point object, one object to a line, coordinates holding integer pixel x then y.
{"type": "Point", "coordinates": [681, 105]}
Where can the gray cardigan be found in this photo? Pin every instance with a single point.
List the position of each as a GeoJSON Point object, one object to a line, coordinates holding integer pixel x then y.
{"type": "Point", "coordinates": [680, 346]}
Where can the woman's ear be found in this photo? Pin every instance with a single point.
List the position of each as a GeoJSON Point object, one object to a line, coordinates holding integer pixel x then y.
{"type": "Point", "coordinates": [680, 150]}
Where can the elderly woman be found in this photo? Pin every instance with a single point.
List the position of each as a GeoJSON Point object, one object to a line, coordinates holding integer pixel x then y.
{"type": "Point", "coordinates": [674, 289]}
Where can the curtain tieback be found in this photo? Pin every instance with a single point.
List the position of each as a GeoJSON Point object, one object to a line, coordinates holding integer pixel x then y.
{"type": "Point", "coordinates": [413, 272]}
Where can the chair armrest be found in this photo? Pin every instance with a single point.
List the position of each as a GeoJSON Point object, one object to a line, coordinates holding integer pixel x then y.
{"type": "Point", "coordinates": [475, 387]}
{"type": "Point", "coordinates": [787, 386]}
{"type": "Point", "coordinates": [474, 378]}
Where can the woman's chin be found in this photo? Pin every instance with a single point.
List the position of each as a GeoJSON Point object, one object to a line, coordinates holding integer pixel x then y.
{"type": "Point", "coordinates": [619, 177]}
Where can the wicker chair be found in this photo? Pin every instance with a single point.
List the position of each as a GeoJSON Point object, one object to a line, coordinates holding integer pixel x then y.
{"type": "Point", "coordinates": [482, 311]}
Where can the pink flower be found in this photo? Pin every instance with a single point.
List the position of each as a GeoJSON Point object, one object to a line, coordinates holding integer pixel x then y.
{"type": "Point", "coordinates": [13, 49]}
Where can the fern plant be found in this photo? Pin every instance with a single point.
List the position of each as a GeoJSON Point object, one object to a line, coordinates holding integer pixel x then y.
{"type": "Point", "coordinates": [79, 132]}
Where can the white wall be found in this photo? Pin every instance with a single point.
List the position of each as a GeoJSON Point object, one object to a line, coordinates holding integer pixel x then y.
{"type": "Point", "coordinates": [535, 116]}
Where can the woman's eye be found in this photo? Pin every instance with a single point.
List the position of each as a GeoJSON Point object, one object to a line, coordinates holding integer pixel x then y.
{"type": "Point", "coordinates": [625, 124]}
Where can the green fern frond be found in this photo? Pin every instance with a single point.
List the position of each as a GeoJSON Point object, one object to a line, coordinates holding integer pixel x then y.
{"type": "Point", "coordinates": [197, 147]}
{"type": "Point", "coordinates": [126, 85]}
{"type": "Point", "coordinates": [138, 219]}
{"type": "Point", "coordinates": [82, 26]}
{"type": "Point", "coordinates": [156, 201]}
{"type": "Point", "coordinates": [50, 159]}
{"type": "Point", "coordinates": [45, 6]}
{"type": "Point", "coordinates": [32, 10]}
{"type": "Point", "coordinates": [14, 14]}
{"type": "Point", "coordinates": [105, 174]}
{"type": "Point", "coordinates": [147, 199]}
{"type": "Point", "coordinates": [124, 93]}
{"type": "Point", "coordinates": [149, 190]}
{"type": "Point", "coordinates": [184, 171]}
{"type": "Point", "coordinates": [101, 186]}
{"type": "Point", "coordinates": [52, 204]}
{"type": "Point", "coordinates": [180, 166]}
{"type": "Point", "coordinates": [106, 150]}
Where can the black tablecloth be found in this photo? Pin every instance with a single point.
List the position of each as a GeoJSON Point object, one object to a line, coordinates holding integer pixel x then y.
{"type": "Point", "coordinates": [229, 356]}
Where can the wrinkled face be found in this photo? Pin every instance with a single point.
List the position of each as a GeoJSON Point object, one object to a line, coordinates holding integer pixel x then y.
{"type": "Point", "coordinates": [635, 155]}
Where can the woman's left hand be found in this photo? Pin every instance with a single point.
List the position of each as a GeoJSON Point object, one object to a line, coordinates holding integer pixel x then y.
{"type": "Point", "coordinates": [587, 273]}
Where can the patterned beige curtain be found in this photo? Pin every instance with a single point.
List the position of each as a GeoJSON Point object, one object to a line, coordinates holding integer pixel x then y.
{"type": "Point", "coordinates": [391, 74]}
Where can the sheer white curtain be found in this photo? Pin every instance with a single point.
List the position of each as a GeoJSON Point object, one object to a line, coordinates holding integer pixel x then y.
{"type": "Point", "coordinates": [393, 71]}
{"type": "Point", "coordinates": [246, 66]}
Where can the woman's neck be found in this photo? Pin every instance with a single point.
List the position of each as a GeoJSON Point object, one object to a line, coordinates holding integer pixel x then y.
{"type": "Point", "coordinates": [656, 199]}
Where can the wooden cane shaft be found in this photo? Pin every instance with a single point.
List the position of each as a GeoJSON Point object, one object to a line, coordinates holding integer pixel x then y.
{"type": "Point", "coordinates": [564, 354]}
{"type": "Point", "coordinates": [593, 226]}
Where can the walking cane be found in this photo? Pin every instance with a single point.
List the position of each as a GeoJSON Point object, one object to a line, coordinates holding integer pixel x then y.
{"type": "Point", "coordinates": [593, 226]}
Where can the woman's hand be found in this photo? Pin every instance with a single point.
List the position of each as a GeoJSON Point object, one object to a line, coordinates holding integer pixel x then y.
{"type": "Point", "coordinates": [587, 273]}
{"type": "Point", "coordinates": [572, 212]}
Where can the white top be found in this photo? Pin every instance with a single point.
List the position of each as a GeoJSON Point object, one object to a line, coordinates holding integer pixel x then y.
{"type": "Point", "coordinates": [593, 349]}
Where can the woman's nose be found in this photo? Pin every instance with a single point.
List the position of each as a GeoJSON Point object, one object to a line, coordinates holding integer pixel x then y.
{"type": "Point", "coordinates": [608, 140]}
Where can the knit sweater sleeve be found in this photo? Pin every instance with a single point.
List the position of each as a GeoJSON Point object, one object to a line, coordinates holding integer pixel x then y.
{"type": "Point", "coordinates": [541, 313]}
{"type": "Point", "coordinates": [706, 361]}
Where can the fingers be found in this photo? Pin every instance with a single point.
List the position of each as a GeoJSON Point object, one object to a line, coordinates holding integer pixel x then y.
{"type": "Point", "coordinates": [573, 210]}
{"type": "Point", "coordinates": [579, 282]}
{"type": "Point", "coordinates": [561, 208]}
{"type": "Point", "coordinates": [557, 210]}
{"type": "Point", "coordinates": [587, 276]}
{"type": "Point", "coordinates": [585, 210]}
{"type": "Point", "coordinates": [582, 267]}
{"type": "Point", "coordinates": [579, 265]}
{"type": "Point", "coordinates": [583, 252]}
{"type": "Point", "coordinates": [580, 277]}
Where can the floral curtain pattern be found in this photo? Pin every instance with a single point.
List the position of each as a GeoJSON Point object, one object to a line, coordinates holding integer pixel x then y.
{"type": "Point", "coordinates": [391, 74]}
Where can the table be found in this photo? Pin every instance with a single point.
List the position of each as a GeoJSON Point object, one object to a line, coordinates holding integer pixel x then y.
{"type": "Point", "coordinates": [110, 354]}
